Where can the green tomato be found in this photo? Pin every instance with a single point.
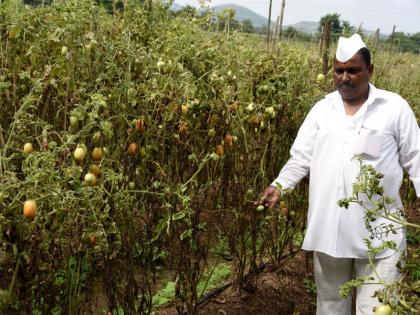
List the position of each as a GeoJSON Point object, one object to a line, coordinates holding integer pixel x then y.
{"type": "Point", "coordinates": [383, 309]}
{"type": "Point", "coordinates": [74, 121]}
{"type": "Point", "coordinates": [260, 208]}
{"type": "Point", "coordinates": [320, 78]}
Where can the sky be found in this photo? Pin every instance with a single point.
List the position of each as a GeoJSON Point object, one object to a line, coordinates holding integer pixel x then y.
{"type": "Point", "coordinates": [383, 14]}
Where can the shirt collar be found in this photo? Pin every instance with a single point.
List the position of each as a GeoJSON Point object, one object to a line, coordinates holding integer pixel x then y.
{"type": "Point", "coordinates": [374, 94]}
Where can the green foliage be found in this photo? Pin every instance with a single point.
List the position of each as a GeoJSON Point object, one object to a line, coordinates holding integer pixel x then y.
{"type": "Point", "coordinates": [369, 194]}
{"type": "Point", "coordinates": [75, 76]}
{"type": "Point", "coordinates": [211, 280]}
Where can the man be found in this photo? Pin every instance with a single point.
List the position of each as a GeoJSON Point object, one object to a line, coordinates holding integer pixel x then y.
{"type": "Point", "coordinates": [356, 119]}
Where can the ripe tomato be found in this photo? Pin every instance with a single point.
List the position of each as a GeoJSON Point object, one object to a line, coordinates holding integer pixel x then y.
{"type": "Point", "coordinates": [133, 149]}
{"type": "Point", "coordinates": [229, 140]}
{"type": "Point", "coordinates": [97, 154]}
{"type": "Point", "coordinates": [28, 148]}
{"type": "Point", "coordinates": [140, 126]}
{"type": "Point", "coordinates": [29, 208]}
{"type": "Point", "coordinates": [92, 239]}
{"type": "Point", "coordinates": [383, 309]}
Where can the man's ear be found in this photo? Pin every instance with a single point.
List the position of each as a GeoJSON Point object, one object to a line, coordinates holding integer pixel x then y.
{"type": "Point", "coordinates": [370, 69]}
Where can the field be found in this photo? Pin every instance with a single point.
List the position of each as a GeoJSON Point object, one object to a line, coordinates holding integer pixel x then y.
{"type": "Point", "coordinates": [133, 145]}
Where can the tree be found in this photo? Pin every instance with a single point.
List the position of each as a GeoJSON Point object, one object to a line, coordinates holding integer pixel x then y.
{"type": "Point", "coordinates": [247, 26]}
{"type": "Point", "coordinates": [188, 10]}
{"type": "Point", "coordinates": [336, 27]}
{"type": "Point", "coordinates": [348, 29]}
{"type": "Point", "coordinates": [290, 32]}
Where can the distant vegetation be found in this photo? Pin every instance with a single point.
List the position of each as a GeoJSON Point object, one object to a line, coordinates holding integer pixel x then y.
{"type": "Point", "coordinates": [226, 19]}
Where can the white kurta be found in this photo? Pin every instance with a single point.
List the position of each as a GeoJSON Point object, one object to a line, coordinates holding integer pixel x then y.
{"type": "Point", "coordinates": [386, 128]}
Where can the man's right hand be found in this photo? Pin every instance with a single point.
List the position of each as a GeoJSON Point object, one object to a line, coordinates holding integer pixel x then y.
{"type": "Point", "coordinates": [270, 196]}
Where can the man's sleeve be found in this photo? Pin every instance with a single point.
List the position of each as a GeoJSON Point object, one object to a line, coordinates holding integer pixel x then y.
{"type": "Point", "coordinates": [297, 167]}
{"type": "Point", "coordinates": [408, 138]}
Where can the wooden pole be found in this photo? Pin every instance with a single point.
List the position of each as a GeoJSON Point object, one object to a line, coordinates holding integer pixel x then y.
{"type": "Point", "coordinates": [392, 38]}
{"type": "Point", "coordinates": [269, 21]}
{"type": "Point", "coordinates": [276, 32]}
{"type": "Point", "coordinates": [283, 3]}
{"type": "Point", "coordinates": [326, 46]}
{"type": "Point", "coordinates": [375, 46]}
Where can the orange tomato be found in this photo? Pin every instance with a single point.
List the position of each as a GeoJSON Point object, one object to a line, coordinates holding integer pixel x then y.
{"type": "Point", "coordinates": [140, 126]}
{"type": "Point", "coordinates": [29, 208]}
{"type": "Point", "coordinates": [133, 149]}
{"type": "Point", "coordinates": [220, 150]}
{"type": "Point", "coordinates": [97, 154]}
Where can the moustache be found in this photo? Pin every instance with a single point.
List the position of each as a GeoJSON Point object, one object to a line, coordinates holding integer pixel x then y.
{"type": "Point", "coordinates": [345, 85]}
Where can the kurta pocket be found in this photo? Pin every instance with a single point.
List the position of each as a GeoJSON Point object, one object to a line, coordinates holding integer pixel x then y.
{"type": "Point", "coordinates": [369, 143]}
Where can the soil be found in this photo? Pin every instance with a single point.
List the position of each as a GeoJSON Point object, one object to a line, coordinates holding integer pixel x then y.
{"type": "Point", "coordinates": [274, 293]}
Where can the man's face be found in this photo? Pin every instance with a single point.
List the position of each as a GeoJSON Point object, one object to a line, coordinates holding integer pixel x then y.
{"type": "Point", "coordinates": [352, 78]}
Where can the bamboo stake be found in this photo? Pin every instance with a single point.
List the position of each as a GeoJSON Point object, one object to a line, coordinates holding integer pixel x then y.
{"type": "Point", "coordinates": [269, 22]}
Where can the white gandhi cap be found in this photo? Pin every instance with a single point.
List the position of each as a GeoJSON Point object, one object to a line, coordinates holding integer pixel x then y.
{"type": "Point", "coordinates": [348, 47]}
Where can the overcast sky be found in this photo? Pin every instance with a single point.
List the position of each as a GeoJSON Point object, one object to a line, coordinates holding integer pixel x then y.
{"type": "Point", "coordinates": [373, 14]}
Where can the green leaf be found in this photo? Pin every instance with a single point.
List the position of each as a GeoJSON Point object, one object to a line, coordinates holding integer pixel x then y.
{"type": "Point", "coordinates": [15, 31]}
{"type": "Point", "coordinates": [185, 234]}
{"type": "Point", "coordinates": [178, 216]}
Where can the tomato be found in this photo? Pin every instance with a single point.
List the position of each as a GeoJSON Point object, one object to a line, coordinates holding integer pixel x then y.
{"type": "Point", "coordinates": [270, 111]}
{"type": "Point", "coordinates": [140, 127]}
{"type": "Point", "coordinates": [383, 309]}
{"type": "Point", "coordinates": [320, 78]}
{"type": "Point", "coordinates": [260, 208]}
{"type": "Point", "coordinates": [79, 154]}
{"type": "Point", "coordinates": [229, 140]}
{"type": "Point", "coordinates": [29, 208]}
{"type": "Point", "coordinates": [220, 150]}
{"type": "Point", "coordinates": [96, 137]}
{"type": "Point", "coordinates": [211, 133]}
{"type": "Point", "coordinates": [90, 179]}
{"type": "Point", "coordinates": [74, 121]}
{"type": "Point", "coordinates": [185, 108]}
{"type": "Point", "coordinates": [95, 169]}
{"type": "Point", "coordinates": [97, 154]}
{"type": "Point", "coordinates": [92, 239]}
{"type": "Point", "coordinates": [64, 50]}
{"type": "Point", "coordinates": [28, 148]}
{"type": "Point", "coordinates": [131, 185]}
{"type": "Point", "coordinates": [133, 149]}
{"type": "Point", "coordinates": [250, 107]}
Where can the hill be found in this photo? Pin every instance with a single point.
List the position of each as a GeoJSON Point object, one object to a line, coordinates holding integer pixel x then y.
{"type": "Point", "coordinates": [242, 13]}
